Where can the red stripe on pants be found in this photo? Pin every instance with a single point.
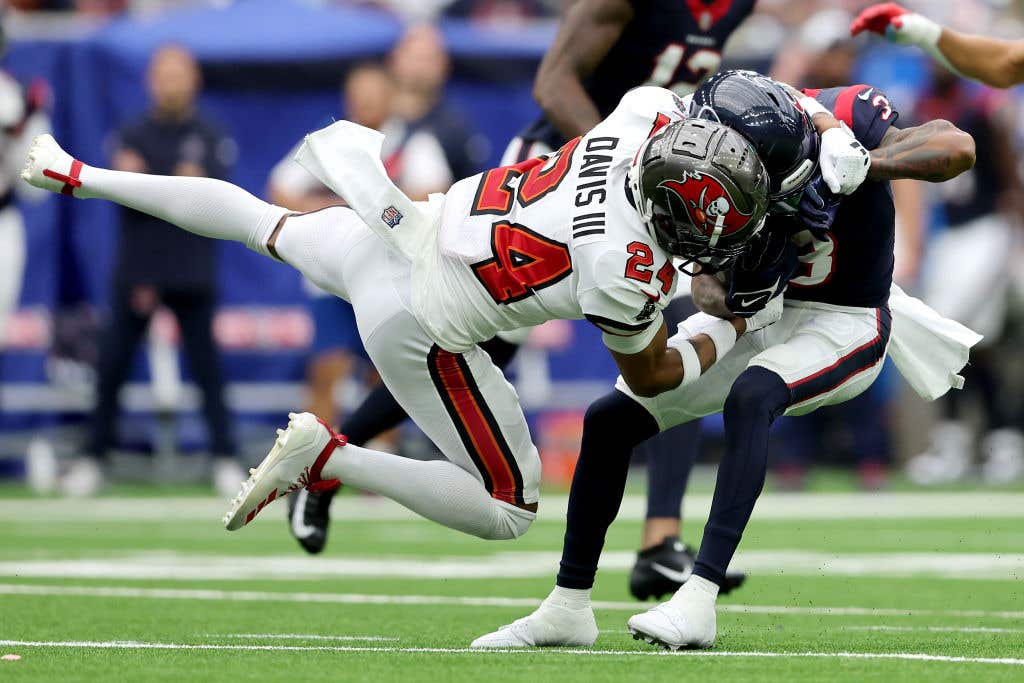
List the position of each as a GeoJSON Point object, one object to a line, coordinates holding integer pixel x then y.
{"type": "Point", "coordinates": [487, 444]}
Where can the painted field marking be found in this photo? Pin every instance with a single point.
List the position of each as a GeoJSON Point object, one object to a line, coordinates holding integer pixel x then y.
{"type": "Point", "coordinates": [133, 645]}
{"type": "Point", "coordinates": [186, 566]}
{"type": "Point", "coordinates": [299, 636]}
{"type": "Point", "coordinates": [458, 601]}
{"type": "Point", "coordinates": [772, 505]}
{"type": "Point", "coordinates": [935, 629]}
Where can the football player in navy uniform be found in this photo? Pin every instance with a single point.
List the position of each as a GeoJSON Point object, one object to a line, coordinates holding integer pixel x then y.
{"type": "Point", "coordinates": [993, 61]}
{"type": "Point", "coordinates": [603, 49]}
{"type": "Point", "coordinates": [828, 347]}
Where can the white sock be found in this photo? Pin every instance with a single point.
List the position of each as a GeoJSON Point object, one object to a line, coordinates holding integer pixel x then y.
{"type": "Point", "coordinates": [569, 598]}
{"type": "Point", "coordinates": [436, 489]}
{"type": "Point", "coordinates": [204, 206]}
{"type": "Point", "coordinates": [697, 588]}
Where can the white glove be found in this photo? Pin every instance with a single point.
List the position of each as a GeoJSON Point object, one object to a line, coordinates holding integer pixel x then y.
{"type": "Point", "coordinates": [844, 162]}
{"type": "Point", "coordinates": [768, 315]}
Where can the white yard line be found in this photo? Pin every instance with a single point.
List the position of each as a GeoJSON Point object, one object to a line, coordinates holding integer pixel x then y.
{"type": "Point", "coordinates": [935, 629]}
{"type": "Point", "coordinates": [298, 636]}
{"type": "Point", "coordinates": [458, 601]}
{"type": "Point", "coordinates": [503, 564]}
{"type": "Point", "coordinates": [132, 645]}
{"type": "Point", "coordinates": [803, 506]}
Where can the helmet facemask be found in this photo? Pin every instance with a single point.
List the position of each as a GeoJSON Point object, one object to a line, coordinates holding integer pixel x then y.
{"type": "Point", "coordinates": [701, 191]}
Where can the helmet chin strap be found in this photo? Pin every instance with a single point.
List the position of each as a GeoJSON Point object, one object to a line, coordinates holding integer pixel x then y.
{"type": "Point", "coordinates": [643, 206]}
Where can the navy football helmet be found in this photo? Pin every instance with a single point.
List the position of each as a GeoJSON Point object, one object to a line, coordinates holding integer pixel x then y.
{"type": "Point", "coordinates": [765, 113]}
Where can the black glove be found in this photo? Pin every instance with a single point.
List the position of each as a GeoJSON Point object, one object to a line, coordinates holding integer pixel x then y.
{"type": "Point", "coordinates": [818, 207]}
{"type": "Point", "coordinates": [761, 274]}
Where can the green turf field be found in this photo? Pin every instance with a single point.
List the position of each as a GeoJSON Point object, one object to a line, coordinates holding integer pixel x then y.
{"type": "Point", "coordinates": [844, 587]}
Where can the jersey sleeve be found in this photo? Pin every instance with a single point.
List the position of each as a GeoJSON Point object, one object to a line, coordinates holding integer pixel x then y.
{"type": "Point", "coordinates": [867, 111]}
{"type": "Point", "coordinates": [626, 314]}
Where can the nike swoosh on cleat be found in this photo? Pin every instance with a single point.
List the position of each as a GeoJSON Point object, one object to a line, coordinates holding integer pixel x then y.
{"type": "Point", "coordinates": [866, 94]}
{"type": "Point", "coordinates": [670, 574]}
{"type": "Point", "coordinates": [299, 526]}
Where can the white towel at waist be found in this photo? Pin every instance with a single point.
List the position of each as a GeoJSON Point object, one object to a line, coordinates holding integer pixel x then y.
{"type": "Point", "coordinates": [928, 349]}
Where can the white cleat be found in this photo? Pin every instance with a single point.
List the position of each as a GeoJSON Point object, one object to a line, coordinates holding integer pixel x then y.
{"type": "Point", "coordinates": [49, 167]}
{"type": "Point", "coordinates": [549, 626]}
{"type": "Point", "coordinates": [295, 462]}
{"type": "Point", "coordinates": [675, 625]}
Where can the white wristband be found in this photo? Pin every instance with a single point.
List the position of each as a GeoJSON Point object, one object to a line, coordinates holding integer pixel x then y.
{"type": "Point", "coordinates": [723, 334]}
{"type": "Point", "coordinates": [812, 106]}
{"type": "Point", "coordinates": [918, 29]}
{"type": "Point", "coordinates": [691, 362]}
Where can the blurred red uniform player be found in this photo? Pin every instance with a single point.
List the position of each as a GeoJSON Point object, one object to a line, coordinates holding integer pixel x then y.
{"type": "Point", "coordinates": [993, 61]}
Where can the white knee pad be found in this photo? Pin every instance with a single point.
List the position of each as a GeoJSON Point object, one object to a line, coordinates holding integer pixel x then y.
{"type": "Point", "coordinates": [510, 522]}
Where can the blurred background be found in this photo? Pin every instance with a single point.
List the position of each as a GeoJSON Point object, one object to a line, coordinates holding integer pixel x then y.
{"type": "Point", "coordinates": [134, 347]}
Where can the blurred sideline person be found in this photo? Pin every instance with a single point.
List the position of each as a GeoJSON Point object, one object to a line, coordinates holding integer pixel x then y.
{"type": "Point", "coordinates": [603, 49]}
{"type": "Point", "coordinates": [982, 210]}
{"type": "Point", "coordinates": [993, 61]}
{"type": "Point", "coordinates": [158, 265]}
{"type": "Point", "coordinates": [420, 66]}
{"type": "Point", "coordinates": [416, 162]}
{"type": "Point", "coordinates": [22, 117]}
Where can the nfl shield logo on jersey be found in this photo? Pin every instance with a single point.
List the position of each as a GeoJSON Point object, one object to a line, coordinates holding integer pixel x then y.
{"type": "Point", "coordinates": [391, 216]}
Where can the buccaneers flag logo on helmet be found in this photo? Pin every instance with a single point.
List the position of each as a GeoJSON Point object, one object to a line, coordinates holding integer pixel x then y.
{"type": "Point", "coordinates": [708, 205]}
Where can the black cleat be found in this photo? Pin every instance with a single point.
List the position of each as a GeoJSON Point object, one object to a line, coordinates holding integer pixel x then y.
{"type": "Point", "coordinates": [309, 516]}
{"type": "Point", "coordinates": [662, 569]}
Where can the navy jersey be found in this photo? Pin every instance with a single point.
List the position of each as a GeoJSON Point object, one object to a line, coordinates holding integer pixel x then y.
{"type": "Point", "coordinates": [672, 44]}
{"type": "Point", "coordinates": [975, 192]}
{"type": "Point", "coordinates": [852, 266]}
{"type": "Point", "coordinates": [151, 251]}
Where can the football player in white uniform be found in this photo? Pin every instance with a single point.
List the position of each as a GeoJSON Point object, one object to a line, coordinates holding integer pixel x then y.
{"type": "Point", "coordinates": [22, 117]}
{"type": "Point", "coordinates": [569, 235]}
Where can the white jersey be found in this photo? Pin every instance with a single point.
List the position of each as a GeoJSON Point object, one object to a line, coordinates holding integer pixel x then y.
{"type": "Point", "coordinates": [18, 126]}
{"type": "Point", "coordinates": [553, 237]}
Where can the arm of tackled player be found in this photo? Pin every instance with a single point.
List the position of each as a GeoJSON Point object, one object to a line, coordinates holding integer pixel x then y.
{"type": "Point", "coordinates": [993, 61]}
{"type": "Point", "coordinates": [709, 294]}
{"type": "Point", "coordinates": [935, 151]}
{"type": "Point", "coordinates": [588, 31]}
{"type": "Point", "coordinates": [660, 367]}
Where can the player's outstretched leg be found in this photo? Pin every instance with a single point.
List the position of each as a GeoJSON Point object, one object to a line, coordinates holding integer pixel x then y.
{"type": "Point", "coordinates": [309, 511]}
{"type": "Point", "coordinates": [204, 206]}
{"type": "Point", "coordinates": [613, 425]}
{"type": "Point", "coordinates": [688, 620]}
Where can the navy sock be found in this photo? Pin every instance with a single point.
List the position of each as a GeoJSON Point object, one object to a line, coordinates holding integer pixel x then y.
{"type": "Point", "coordinates": [670, 457]}
{"type": "Point", "coordinates": [613, 426]}
{"type": "Point", "coordinates": [757, 397]}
